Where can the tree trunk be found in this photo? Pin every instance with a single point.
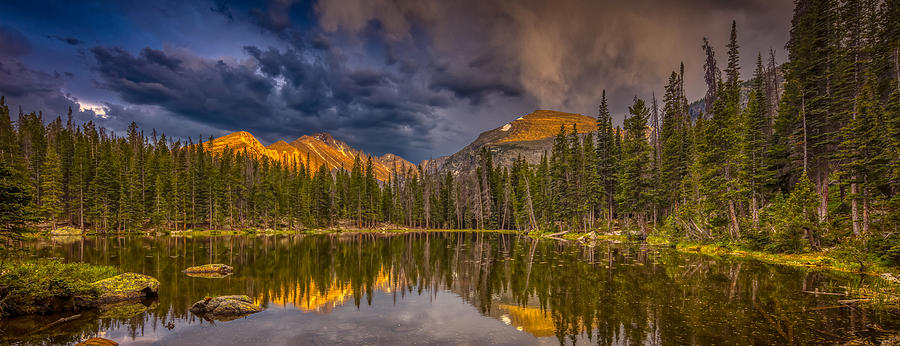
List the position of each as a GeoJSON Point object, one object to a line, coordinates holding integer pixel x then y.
{"type": "Point", "coordinates": [735, 227]}
{"type": "Point", "coordinates": [823, 197]}
{"type": "Point", "coordinates": [803, 115]}
{"type": "Point", "coordinates": [531, 218]}
{"type": "Point", "coordinates": [854, 214]}
{"type": "Point", "coordinates": [865, 225]}
{"type": "Point", "coordinates": [81, 208]}
{"type": "Point", "coordinates": [754, 211]}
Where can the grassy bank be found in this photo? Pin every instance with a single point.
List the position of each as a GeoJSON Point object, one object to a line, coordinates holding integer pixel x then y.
{"type": "Point", "coordinates": [207, 233]}
{"type": "Point", "coordinates": [881, 288]}
{"type": "Point", "coordinates": [35, 287]}
{"type": "Point", "coordinates": [819, 259]}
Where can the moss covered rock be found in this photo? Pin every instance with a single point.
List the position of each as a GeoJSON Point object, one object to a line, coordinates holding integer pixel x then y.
{"type": "Point", "coordinates": [225, 307]}
{"type": "Point", "coordinates": [125, 287]}
{"type": "Point", "coordinates": [97, 342]}
{"type": "Point", "coordinates": [208, 275]}
{"type": "Point", "coordinates": [216, 268]}
{"type": "Point", "coordinates": [45, 286]}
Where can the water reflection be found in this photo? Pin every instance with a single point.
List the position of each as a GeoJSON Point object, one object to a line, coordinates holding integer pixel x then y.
{"type": "Point", "coordinates": [456, 288]}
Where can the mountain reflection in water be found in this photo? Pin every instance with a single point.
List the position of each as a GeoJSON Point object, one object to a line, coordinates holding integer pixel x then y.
{"type": "Point", "coordinates": [456, 288]}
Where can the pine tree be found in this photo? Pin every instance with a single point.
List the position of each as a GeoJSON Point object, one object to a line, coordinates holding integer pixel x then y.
{"type": "Point", "coordinates": [673, 167]}
{"type": "Point", "coordinates": [559, 177]}
{"type": "Point", "coordinates": [805, 112]}
{"type": "Point", "coordinates": [15, 201]}
{"type": "Point", "coordinates": [606, 158]}
{"type": "Point", "coordinates": [864, 160]}
{"type": "Point", "coordinates": [634, 177]}
{"type": "Point", "coordinates": [52, 202]}
{"type": "Point", "coordinates": [754, 170]}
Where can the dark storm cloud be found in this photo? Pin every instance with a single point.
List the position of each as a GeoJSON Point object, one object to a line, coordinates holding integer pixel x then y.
{"type": "Point", "coordinates": [419, 78]}
{"type": "Point", "coordinates": [224, 10]}
{"type": "Point", "coordinates": [361, 105]}
{"type": "Point", "coordinates": [275, 16]}
{"type": "Point", "coordinates": [67, 40]}
{"type": "Point", "coordinates": [563, 53]}
{"type": "Point", "coordinates": [474, 82]}
{"type": "Point", "coordinates": [26, 88]}
{"type": "Point", "coordinates": [276, 94]}
{"type": "Point", "coordinates": [205, 90]}
{"type": "Point", "coordinates": [13, 43]}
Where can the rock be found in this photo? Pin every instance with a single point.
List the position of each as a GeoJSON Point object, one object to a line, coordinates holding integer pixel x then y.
{"type": "Point", "coordinates": [210, 268]}
{"type": "Point", "coordinates": [125, 287]}
{"type": "Point", "coordinates": [208, 275]}
{"type": "Point", "coordinates": [225, 307]}
{"type": "Point", "coordinates": [97, 342]}
{"type": "Point", "coordinates": [889, 277]}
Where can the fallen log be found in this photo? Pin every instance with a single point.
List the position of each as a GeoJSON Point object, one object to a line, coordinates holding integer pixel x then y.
{"type": "Point", "coordinates": [556, 234]}
{"type": "Point", "coordinates": [825, 293]}
{"type": "Point", "coordinates": [56, 323]}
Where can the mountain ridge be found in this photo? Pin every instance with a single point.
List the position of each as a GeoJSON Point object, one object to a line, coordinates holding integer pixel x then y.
{"type": "Point", "coordinates": [313, 150]}
{"type": "Point", "coordinates": [528, 135]}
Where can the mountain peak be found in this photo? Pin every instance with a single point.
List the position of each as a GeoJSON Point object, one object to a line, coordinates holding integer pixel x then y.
{"type": "Point", "coordinates": [315, 150]}
{"type": "Point", "coordinates": [282, 146]}
{"type": "Point", "coordinates": [240, 140]}
{"type": "Point", "coordinates": [323, 136]}
{"type": "Point", "coordinates": [545, 123]}
{"type": "Point", "coordinates": [528, 135]}
{"type": "Point", "coordinates": [238, 136]}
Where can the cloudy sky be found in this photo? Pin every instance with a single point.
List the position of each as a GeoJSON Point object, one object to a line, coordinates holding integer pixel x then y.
{"type": "Point", "coordinates": [416, 78]}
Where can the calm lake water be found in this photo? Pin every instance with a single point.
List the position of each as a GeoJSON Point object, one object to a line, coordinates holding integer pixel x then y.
{"type": "Point", "coordinates": [455, 288]}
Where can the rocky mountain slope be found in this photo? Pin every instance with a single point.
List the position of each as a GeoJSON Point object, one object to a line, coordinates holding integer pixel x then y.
{"type": "Point", "coordinates": [316, 149]}
{"type": "Point", "coordinates": [528, 136]}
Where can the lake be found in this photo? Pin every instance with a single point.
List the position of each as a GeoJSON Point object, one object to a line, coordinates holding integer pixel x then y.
{"type": "Point", "coordinates": [454, 288]}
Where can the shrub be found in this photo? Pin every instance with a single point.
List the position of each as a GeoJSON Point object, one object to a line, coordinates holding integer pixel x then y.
{"type": "Point", "coordinates": [793, 218]}
{"type": "Point", "coordinates": [46, 285]}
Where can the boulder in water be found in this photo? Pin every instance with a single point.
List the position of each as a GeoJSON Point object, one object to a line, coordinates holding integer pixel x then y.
{"type": "Point", "coordinates": [97, 342]}
{"type": "Point", "coordinates": [225, 307]}
{"type": "Point", "coordinates": [216, 268]}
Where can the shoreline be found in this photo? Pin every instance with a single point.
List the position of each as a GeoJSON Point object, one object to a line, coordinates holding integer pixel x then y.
{"type": "Point", "coordinates": [880, 289]}
{"type": "Point", "coordinates": [820, 260]}
{"type": "Point", "coordinates": [817, 260]}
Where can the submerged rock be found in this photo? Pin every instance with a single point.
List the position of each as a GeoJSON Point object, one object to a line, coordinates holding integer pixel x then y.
{"type": "Point", "coordinates": [128, 286]}
{"type": "Point", "coordinates": [225, 307]}
{"type": "Point", "coordinates": [97, 342]}
{"type": "Point", "coordinates": [216, 268]}
{"type": "Point", "coordinates": [208, 275]}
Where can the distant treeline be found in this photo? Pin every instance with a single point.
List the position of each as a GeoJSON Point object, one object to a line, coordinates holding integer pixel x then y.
{"type": "Point", "coordinates": [807, 157]}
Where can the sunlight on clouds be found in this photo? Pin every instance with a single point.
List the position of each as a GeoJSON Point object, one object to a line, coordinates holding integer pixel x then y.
{"type": "Point", "coordinates": [98, 109]}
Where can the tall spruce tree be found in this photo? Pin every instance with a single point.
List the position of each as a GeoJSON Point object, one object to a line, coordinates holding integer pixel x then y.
{"type": "Point", "coordinates": [635, 174]}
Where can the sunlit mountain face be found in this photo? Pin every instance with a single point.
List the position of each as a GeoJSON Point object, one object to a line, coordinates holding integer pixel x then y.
{"type": "Point", "coordinates": [311, 152]}
{"type": "Point", "coordinates": [417, 79]}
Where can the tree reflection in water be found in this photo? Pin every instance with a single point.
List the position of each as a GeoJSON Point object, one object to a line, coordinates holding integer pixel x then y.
{"type": "Point", "coordinates": [606, 294]}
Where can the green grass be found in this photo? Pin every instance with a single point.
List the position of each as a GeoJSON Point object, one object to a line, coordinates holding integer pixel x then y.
{"type": "Point", "coordinates": [817, 259]}
{"type": "Point", "coordinates": [44, 286]}
{"type": "Point", "coordinates": [877, 292]}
